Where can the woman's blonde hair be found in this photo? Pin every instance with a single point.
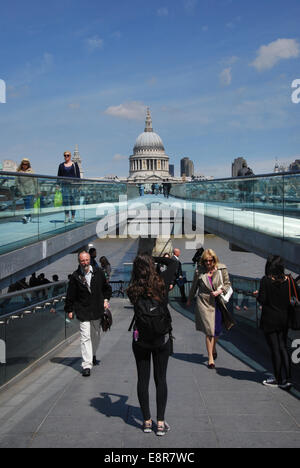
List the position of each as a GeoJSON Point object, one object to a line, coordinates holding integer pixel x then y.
{"type": "Point", "coordinates": [209, 253]}
{"type": "Point", "coordinates": [20, 166]}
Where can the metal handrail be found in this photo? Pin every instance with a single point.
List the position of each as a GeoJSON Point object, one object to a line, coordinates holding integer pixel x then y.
{"type": "Point", "coordinates": [38, 305]}
{"type": "Point", "coordinates": [48, 301]}
{"type": "Point", "coordinates": [22, 174]}
{"type": "Point", "coordinates": [29, 290]}
{"type": "Point", "coordinates": [114, 181]}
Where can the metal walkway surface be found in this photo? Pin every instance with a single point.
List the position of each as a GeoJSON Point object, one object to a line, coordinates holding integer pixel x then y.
{"type": "Point", "coordinates": [54, 406]}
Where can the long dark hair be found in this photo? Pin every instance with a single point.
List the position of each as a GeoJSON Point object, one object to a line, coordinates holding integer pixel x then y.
{"type": "Point", "coordinates": [275, 268]}
{"type": "Point", "coordinates": [104, 262]}
{"type": "Point", "coordinates": [145, 281]}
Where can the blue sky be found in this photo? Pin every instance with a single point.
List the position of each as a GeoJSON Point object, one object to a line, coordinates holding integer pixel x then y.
{"type": "Point", "coordinates": [216, 75]}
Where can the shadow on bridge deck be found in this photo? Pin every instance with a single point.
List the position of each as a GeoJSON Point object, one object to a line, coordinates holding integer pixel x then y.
{"type": "Point", "coordinates": [55, 406]}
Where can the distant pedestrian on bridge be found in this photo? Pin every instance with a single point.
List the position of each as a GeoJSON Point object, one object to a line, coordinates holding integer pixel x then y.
{"type": "Point", "coordinates": [87, 296]}
{"type": "Point", "coordinates": [93, 255]}
{"type": "Point", "coordinates": [179, 279]}
{"type": "Point", "coordinates": [68, 169]}
{"type": "Point", "coordinates": [211, 279]}
{"type": "Point", "coordinates": [167, 268]}
{"type": "Point", "coordinates": [27, 187]}
{"type": "Point", "coordinates": [166, 188]}
{"type": "Point", "coordinates": [105, 267]}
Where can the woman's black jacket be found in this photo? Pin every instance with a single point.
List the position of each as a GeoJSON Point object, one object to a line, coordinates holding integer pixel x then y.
{"type": "Point", "coordinates": [274, 298]}
{"type": "Point", "coordinates": [74, 172]}
{"type": "Point", "coordinates": [87, 303]}
{"type": "Point", "coordinates": [170, 273]}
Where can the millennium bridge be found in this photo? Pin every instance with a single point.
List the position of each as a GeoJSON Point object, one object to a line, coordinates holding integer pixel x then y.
{"type": "Point", "coordinates": [44, 402]}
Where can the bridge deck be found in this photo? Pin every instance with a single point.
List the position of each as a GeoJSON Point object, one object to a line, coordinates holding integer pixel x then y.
{"type": "Point", "coordinates": [55, 406]}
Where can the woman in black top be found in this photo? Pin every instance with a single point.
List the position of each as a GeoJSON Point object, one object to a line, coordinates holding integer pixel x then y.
{"type": "Point", "coordinates": [147, 285]}
{"type": "Point", "coordinates": [68, 169]}
{"type": "Point", "coordinates": [274, 297]}
{"type": "Point", "coordinates": [105, 266]}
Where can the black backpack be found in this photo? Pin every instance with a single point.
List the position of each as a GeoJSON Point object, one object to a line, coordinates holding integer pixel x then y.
{"type": "Point", "coordinates": [151, 318]}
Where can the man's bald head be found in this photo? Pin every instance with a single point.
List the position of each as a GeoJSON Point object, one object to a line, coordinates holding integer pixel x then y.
{"type": "Point", "coordinates": [176, 252]}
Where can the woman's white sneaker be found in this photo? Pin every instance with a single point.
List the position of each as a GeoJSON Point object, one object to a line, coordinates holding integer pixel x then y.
{"type": "Point", "coordinates": [271, 382]}
{"type": "Point", "coordinates": [162, 429]}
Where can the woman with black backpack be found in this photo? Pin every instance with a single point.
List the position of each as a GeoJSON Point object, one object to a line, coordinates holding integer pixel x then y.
{"type": "Point", "coordinates": [151, 337]}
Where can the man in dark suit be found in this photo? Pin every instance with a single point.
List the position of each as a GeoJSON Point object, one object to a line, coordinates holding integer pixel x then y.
{"type": "Point", "coordinates": [179, 280]}
{"type": "Point", "coordinates": [167, 269]}
{"type": "Point", "coordinates": [88, 294]}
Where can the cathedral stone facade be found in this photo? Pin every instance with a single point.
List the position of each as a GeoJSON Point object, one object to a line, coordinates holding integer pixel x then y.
{"type": "Point", "coordinates": [149, 159]}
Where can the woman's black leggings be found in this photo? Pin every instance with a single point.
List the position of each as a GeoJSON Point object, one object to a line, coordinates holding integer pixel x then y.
{"type": "Point", "coordinates": [160, 356]}
{"type": "Point", "coordinates": [277, 342]}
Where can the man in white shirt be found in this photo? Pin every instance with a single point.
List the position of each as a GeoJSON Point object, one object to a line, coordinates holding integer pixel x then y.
{"type": "Point", "coordinates": [88, 294]}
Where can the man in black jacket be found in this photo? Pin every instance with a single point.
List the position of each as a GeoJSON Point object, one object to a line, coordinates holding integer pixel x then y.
{"type": "Point", "coordinates": [88, 294]}
{"type": "Point", "coordinates": [167, 269]}
{"type": "Point", "coordinates": [180, 279]}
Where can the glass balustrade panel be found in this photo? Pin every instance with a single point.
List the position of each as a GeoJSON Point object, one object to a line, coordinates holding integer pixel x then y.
{"type": "Point", "coordinates": [27, 298]}
{"type": "Point", "coordinates": [2, 351]}
{"type": "Point", "coordinates": [269, 205]}
{"type": "Point", "coordinates": [19, 215]}
{"type": "Point", "coordinates": [292, 207]}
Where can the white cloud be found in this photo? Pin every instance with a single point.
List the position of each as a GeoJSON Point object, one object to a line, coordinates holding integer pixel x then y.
{"type": "Point", "coordinates": [129, 110]}
{"type": "Point", "coordinates": [17, 91]}
{"type": "Point", "coordinates": [38, 67]}
{"type": "Point", "coordinates": [190, 5]}
{"type": "Point", "coordinates": [152, 81]}
{"type": "Point", "coordinates": [229, 60]}
{"type": "Point", "coordinates": [269, 55]}
{"type": "Point", "coordinates": [263, 165]}
{"type": "Point", "coordinates": [232, 24]}
{"type": "Point", "coordinates": [163, 11]}
{"type": "Point", "coordinates": [46, 63]}
{"type": "Point", "coordinates": [116, 35]}
{"type": "Point", "coordinates": [94, 43]}
{"type": "Point", "coordinates": [225, 77]}
{"type": "Point", "coordinates": [119, 157]}
{"type": "Point", "coordinates": [74, 105]}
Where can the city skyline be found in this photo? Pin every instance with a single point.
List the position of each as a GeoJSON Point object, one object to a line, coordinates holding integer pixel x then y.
{"type": "Point", "coordinates": [217, 76]}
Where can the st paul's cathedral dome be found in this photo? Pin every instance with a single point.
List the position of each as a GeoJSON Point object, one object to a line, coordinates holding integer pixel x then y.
{"type": "Point", "coordinates": [149, 157]}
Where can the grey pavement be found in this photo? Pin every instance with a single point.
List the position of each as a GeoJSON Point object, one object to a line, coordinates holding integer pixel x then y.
{"type": "Point", "coordinates": [55, 407]}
